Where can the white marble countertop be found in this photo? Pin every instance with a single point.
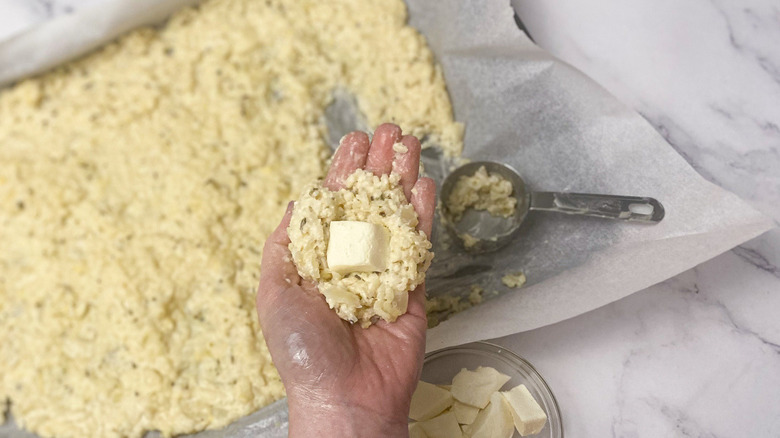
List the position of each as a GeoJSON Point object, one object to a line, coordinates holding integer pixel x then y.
{"type": "Point", "coordinates": [697, 355]}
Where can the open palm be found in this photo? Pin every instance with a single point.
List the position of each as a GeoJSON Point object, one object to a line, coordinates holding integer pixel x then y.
{"type": "Point", "coordinates": [342, 379]}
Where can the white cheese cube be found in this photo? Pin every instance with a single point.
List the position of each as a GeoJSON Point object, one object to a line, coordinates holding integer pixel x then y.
{"type": "Point", "coordinates": [416, 431]}
{"type": "Point", "coordinates": [495, 421]}
{"type": "Point", "coordinates": [443, 426]}
{"type": "Point", "coordinates": [475, 387]}
{"type": "Point", "coordinates": [464, 413]}
{"type": "Point", "coordinates": [428, 401]}
{"type": "Point", "coordinates": [528, 416]}
{"type": "Point", "coordinates": [356, 246]}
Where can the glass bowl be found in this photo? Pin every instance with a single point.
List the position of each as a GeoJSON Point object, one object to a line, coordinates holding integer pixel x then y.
{"type": "Point", "coordinates": [440, 367]}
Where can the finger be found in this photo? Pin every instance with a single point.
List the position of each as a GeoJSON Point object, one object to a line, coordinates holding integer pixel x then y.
{"type": "Point", "coordinates": [380, 154]}
{"type": "Point", "coordinates": [350, 156]}
{"type": "Point", "coordinates": [277, 270]}
{"type": "Point", "coordinates": [407, 163]}
{"type": "Point", "coordinates": [417, 303]}
{"type": "Point", "coordinates": [423, 200]}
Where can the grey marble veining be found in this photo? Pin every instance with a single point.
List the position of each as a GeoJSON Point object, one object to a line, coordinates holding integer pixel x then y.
{"type": "Point", "coordinates": [683, 358]}
{"type": "Point", "coordinates": [697, 355]}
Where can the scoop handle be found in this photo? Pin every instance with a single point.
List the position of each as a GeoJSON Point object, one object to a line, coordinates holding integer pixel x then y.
{"type": "Point", "coordinates": [628, 208]}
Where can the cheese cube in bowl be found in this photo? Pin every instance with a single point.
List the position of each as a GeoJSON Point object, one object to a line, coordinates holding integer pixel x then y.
{"type": "Point", "coordinates": [502, 372]}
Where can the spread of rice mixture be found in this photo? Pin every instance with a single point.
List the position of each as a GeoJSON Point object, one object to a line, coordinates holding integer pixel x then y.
{"type": "Point", "coordinates": [138, 185]}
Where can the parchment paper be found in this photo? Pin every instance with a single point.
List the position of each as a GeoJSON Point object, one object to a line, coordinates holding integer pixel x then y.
{"type": "Point", "coordinates": [562, 131]}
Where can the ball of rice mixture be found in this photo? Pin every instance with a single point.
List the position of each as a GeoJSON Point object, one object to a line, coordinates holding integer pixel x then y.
{"type": "Point", "coordinates": [362, 297]}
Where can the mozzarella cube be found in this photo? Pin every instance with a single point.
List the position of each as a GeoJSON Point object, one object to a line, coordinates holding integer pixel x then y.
{"type": "Point", "coordinates": [428, 401]}
{"type": "Point", "coordinates": [443, 426]}
{"type": "Point", "coordinates": [416, 431]}
{"type": "Point", "coordinates": [495, 421]}
{"type": "Point", "coordinates": [356, 246]}
{"type": "Point", "coordinates": [464, 413]}
{"type": "Point", "coordinates": [528, 416]}
{"type": "Point", "coordinates": [475, 387]}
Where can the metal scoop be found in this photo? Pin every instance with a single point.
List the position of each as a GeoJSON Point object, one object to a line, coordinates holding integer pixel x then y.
{"type": "Point", "coordinates": [492, 233]}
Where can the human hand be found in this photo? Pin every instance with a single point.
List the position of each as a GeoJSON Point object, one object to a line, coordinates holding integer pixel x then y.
{"type": "Point", "coordinates": [341, 379]}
